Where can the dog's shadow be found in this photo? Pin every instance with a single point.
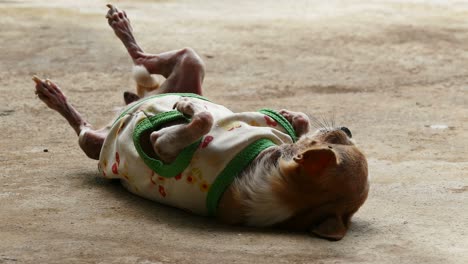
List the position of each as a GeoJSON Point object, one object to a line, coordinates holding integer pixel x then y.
{"type": "Point", "coordinates": [182, 219]}
{"type": "Point", "coordinates": [163, 213]}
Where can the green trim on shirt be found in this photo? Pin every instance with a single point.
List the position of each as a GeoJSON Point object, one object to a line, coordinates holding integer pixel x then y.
{"type": "Point", "coordinates": [230, 172]}
{"type": "Point", "coordinates": [183, 159]}
{"type": "Point", "coordinates": [282, 121]}
{"type": "Point", "coordinates": [141, 101]}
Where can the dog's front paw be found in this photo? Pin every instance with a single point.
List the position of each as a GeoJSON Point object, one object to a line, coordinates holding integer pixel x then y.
{"type": "Point", "coordinates": [298, 120]}
{"type": "Point", "coordinates": [185, 106]}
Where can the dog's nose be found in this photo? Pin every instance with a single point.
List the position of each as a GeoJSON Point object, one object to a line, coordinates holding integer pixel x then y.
{"type": "Point", "coordinates": [347, 131]}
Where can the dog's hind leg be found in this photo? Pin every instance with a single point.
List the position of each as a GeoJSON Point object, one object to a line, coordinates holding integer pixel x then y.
{"type": "Point", "coordinates": [90, 140]}
{"type": "Point", "coordinates": [183, 69]}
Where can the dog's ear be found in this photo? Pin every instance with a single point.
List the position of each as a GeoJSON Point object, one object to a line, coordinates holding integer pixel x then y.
{"type": "Point", "coordinates": [332, 228]}
{"type": "Point", "coordinates": [315, 160]}
{"type": "Point", "coordinates": [130, 97]}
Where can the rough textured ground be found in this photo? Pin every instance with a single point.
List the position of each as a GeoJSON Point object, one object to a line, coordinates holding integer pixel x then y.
{"type": "Point", "coordinates": [386, 69]}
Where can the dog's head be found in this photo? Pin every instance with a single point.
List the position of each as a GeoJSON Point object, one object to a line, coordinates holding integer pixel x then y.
{"type": "Point", "coordinates": [324, 183]}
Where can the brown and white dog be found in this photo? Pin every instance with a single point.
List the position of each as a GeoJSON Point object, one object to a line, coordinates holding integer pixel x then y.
{"type": "Point", "coordinates": [315, 184]}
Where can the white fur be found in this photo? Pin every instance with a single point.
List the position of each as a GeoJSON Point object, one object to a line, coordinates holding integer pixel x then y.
{"type": "Point", "coordinates": [263, 206]}
{"type": "Point", "coordinates": [143, 77]}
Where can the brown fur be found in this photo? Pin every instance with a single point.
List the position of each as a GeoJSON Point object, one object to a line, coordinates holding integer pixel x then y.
{"type": "Point", "coordinates": [324, 183]}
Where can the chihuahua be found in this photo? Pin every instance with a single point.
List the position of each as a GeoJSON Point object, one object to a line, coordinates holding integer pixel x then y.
{"type": "Point", "coordinates": [172, 145]}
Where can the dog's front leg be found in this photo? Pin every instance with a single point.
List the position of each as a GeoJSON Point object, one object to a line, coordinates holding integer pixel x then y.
{"type": "Point", "coordinates": [170, 141]}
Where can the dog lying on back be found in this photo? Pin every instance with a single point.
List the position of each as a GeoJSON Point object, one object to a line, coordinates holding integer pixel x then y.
{"type": "Point", "coordinates": [172, 145]}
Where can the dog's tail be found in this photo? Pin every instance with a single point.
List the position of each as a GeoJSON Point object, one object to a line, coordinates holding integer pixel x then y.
{"type": "Point", "coordinates": [145, 81]}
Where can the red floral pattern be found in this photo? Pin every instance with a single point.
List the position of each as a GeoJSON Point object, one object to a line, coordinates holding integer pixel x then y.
{"type": "Point", "coordinates": [114, 168]}
{"type": "Point", "coordinates": [191, 179]}
{"type": "Point", "coordinates": [206, 141]}
{"type": "Point", "coordinates": [204, 186]}
{"type": "Point", "coordinates": [270, 121]}
{"type": "Point", "coordinates": [162, 191]}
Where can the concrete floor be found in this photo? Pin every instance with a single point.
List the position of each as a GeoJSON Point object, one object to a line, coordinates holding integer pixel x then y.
{"type": "Point", "coordinates": [394, 72]}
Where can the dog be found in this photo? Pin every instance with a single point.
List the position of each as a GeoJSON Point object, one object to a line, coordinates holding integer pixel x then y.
{"type": "Point", "coordinates": [172, 145]}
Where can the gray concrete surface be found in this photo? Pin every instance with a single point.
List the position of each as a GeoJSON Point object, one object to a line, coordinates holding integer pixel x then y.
{"type": "Point", "coordinates": [394, 72]}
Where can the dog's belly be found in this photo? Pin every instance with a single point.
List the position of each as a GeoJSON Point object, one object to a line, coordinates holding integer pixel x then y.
{"type": "Point", "coordinates": [196, 185]}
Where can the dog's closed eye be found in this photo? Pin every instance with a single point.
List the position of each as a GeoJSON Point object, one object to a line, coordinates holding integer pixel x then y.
{"type": "Point", "coordinates": [347, 131]}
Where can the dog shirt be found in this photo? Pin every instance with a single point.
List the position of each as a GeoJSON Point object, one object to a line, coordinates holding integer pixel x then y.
{"type": "Point", "coordinates": [197, 178]}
